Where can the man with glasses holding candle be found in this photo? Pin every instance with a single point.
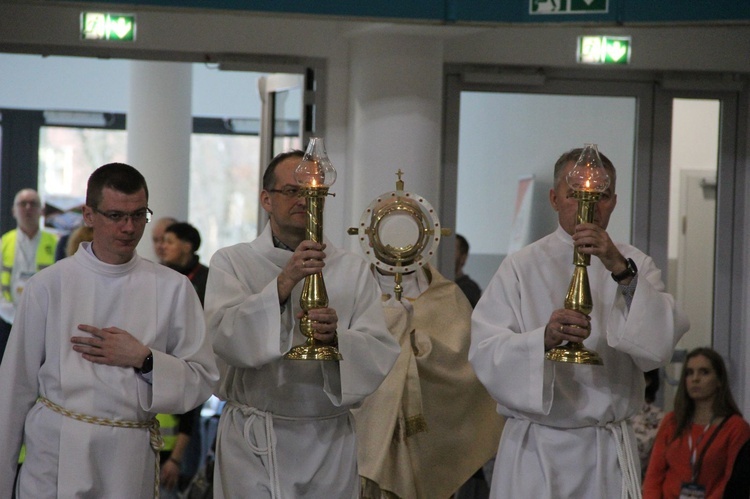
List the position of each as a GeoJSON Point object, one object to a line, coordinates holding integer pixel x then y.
{"type": "Point", "coordinates": [102, 341]}
{"type": "Point", "coordinates": [25, 251]}
{"type": "Point", "coordinates": [566, 432]}
{"type": "Point", "coordinates": [286, 430]}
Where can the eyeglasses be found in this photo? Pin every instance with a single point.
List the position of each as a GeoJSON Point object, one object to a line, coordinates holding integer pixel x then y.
{"type": "Point", "coordinates": [290, 192]}
{"type": "Point", "coordinates": [142, 216]}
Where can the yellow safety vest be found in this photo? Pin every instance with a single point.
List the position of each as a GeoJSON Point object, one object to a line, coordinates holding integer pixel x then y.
{"type": "Point", "coordinates": [168, 427]}
{"type": "Point", "coordinates": [45, 256]}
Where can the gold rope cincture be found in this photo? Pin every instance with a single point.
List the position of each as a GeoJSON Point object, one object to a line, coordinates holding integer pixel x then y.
{"type": "Point", "coordinates": [152, 425]}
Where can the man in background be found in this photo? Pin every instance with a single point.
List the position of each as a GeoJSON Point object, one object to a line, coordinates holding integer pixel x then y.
{"type": "Point", "coordinates": [157, 236]}
{"type": "Point", "coordinates": [25, 251]}
{"type": "Point", "coordinates": [181, 454]}
{"type": "Point", "coordinates": [470, 288]}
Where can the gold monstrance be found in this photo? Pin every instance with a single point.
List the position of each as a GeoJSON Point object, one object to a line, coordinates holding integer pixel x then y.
{"type": "Point", "coordinates": [315, 175]}
{"type": "Point", "coordinates": [589, 180]}
{"type": "Point", "coordinates": [399, 232]}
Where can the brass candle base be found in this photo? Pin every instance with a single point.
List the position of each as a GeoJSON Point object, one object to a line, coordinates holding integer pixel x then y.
{"type": "Point", "coordinates": [574, 353]}
{"type": "Point", "coordinates": [313, 351]}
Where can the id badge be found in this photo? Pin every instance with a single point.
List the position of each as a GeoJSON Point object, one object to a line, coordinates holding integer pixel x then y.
{"type": "Point", "coordinates": [692, 491]}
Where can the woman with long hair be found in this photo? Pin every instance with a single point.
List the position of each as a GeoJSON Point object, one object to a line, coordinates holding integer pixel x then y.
{"type": "Point", "coordinates": [697, 443]}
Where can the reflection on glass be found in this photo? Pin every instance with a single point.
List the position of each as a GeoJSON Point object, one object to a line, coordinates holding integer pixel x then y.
{"type": "Point", "coordinates": [67, 156]}
{"type": "Point", "coordinates": [287, 115]}
{"type": "Point", "coordinates": [224, 177]}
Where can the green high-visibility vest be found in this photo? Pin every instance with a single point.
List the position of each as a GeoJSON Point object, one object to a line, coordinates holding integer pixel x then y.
{"type": "Point", "coordinates": [45, 256]}
{"type": "Point", "coordinates": [168, 426]}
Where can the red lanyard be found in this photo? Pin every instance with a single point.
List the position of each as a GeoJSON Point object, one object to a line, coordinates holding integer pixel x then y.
{"type": "Point", "coordinates": [694, 452]}
{"type": "Point", "coordinates": [193, 272]}
{"type": "Point", "coordinates": [696, 466]}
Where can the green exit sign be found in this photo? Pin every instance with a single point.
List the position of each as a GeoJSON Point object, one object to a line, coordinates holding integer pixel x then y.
{"type": "Point", "coordinates": [107, 26]}
{"type": "Point", "coordinates": [603, 50]}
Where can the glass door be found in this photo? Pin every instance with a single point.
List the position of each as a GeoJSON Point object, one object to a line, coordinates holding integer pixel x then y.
{"type": "Point", "coordinates": [286, 122]}
{"type": "Point", "coordinates": [282, 114]}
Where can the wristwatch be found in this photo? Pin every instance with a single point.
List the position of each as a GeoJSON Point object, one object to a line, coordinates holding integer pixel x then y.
{"type": "Point", "coordinates": [630, 271]}
{"type": "Point", "coordinates": [148, 365]}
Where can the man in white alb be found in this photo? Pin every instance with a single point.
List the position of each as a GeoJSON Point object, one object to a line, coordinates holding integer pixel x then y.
{"type": "Point", "coordinates": [566, 432]}
{"type": "Point", "coordinates": [102, 342]}
{"type": "Point", "coordinates": [286, 430]}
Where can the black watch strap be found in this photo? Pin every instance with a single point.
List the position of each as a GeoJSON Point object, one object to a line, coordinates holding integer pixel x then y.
{"type": "Point", "coordinates": [148, 365]}
{"type": "Point", "coordinates": [630, 271]}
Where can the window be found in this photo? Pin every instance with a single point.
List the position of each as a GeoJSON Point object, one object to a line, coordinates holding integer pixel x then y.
{"type": "Point", "coordinates": [224, 178]}
{"type": "Point", "coordinates": [67, 156]}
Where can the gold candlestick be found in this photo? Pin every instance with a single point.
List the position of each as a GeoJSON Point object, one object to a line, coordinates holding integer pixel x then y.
{"type": "Point", "coordinates": [315, 174]}
{"type": "Point", "coordinates": [588, 179]}
{"type": "Point", "coordinates": [579, 291]}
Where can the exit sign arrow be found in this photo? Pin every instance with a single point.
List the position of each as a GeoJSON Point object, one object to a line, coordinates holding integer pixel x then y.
{"type": "Point", "coordinates": [107, 26]}
{"type": "Point", "coordinates": [603, 50]}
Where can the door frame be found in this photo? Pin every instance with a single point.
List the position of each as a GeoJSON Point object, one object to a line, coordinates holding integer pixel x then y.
{"type": "Point", "coordinates": [730, 232]}
{"type": "Point", "coordinates": [308, 78]}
